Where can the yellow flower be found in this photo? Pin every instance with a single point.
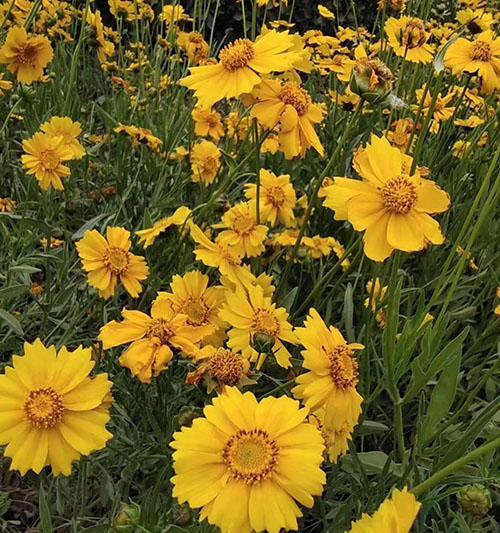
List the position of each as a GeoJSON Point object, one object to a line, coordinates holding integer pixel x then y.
{"type": "Point", "coordinates": [5, 85]}
{"type": "Point", "coordinates": [246, 463]}
{"type": "Point", "coordinates": [325, 12]}
{"type": "Point", "coordinates": [243, 233]}
{"type": "Point", "coordinates": [205, 162]}
{"type": "Point", "coordinates": [239, 66]}
{"type": "Point", "coordinates": [7, 205]}
{"type": "Point", "coordinates": [396, 5]}
{"type": "Point", "coordinates": [171, 14]}
{"type": "Point", "coordinates": [277, 198]}
{"type": "Point", "coordinates": [152, 338]}
{"type": "Point", "coordinates": [336, 440]}
{"type": "Point", "coordinates": [207, 123]}
{"type": "Point", "coordinates": [194, 45]}
{"type": "Point", "coordinates": [26, 55]}
{"type": "Point", "coordinates": [270, 145]}
{"type": "Point", "coordinates": [393, 207]}
{"type": "Point", "coordinates": [396, 515]}
{"type": "Point", "coordinates": [178, 218]}
{"type": "Point", "coordinates": [332, 377]}
{"type": "Point", "coordinates": [481, 57]}
{"type": "Point", "coordinates": [140, 136]}
{"type": "Point", "coordinates": [408, 38]}
{"type": "Point", "coordinates": [67, 129]}
{"type": "Point", "coordinates": [221, 255]}
{"type": "Point", "coordinates": [105, 48]}
{"type": "Point", "coordinates": [288, 107]}
{"type": "Point", "coordinates": [52, 243]}
{"type": "Point", "coordinates": [476, 20]}
{"type": "Point", "coordinates": [441, 110]}
{"type": "Point", "coordinates": [44, 157]}
{"type": "Point", "coordinates": [191, 296]}
{"type": "Point", "coordinates": [258, 327]}
{"type": "Point", "coordinates": [109, 260]}
{"type": "Point", "coordinates": [52, 411]}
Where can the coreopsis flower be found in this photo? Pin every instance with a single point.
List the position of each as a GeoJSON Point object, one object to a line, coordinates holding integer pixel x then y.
{"type": "Point", "coordinates": [67, 129]}
{"type": "Point", "coordinates": [191, 296]}
{"type": "Point", "coordinates": [476, 20]}
{"type": "Point", "coordinates": [277, 198]}
{"type": "Point", "coordinates": [408, 37]}
{"type": "Point", "coordinates": [376, 296]}
{"type": "Point", "coordinates": [53, 242]}
{"type": "Point", "coordinates": [172, 14]}
{"type": "Point", "coordinates": [5, 85]}
{"type": "Point", "coordinates": [205, 162]}
{"type": "Point", "coordinates": [336, 440]}
{"type": "Point", "coordinates": [258, 327]}
{"type": "Point", "coordinates": [178, 154]}
{"type": "Point", "coordinates": [470, 122]}
{"type": "Point", "coordinates": [109, 260]}
{"type": "Point", "coordinates": [240, 65]}
{"type": "Point", "coordinates": [44, 158]}
{"type": "Point", "coordinates": [152, 338]}
{"type": "Point", "coordinates": [392, 207]}
{"type": "Point", "coordinates": [400, 133]}
{"type": "Point", "coordinates": [178, 218]}
{"type": "Point", "coordinates": [289, 108]}
{"type": "Point", "coordinates": [395, 5]}
{"type": "Point", "coordinates": [53, 412]}
{"type": "Point", "coordinates": [140, 136]}
{"type": "Point", "coordinates": [219, 368]}
{"type": "Point", "coordinates": [397, 514]}
{"type": "Point", "coordinates": [237, 126]}
{"type": "Point", "coordinates": [481, 57]}
{"type": "Point", "coordinates": [270, 145]}
{"type": "Point", "coordinates": [442, 112]}
{"type": "Point", "coordinates": [207, 123]}
{"type": "Point", "coordinates": [246, 463]}
{"type": "Point", "coordinates": [195, 46]}
{"type": "Point", "coordinates": [221, 255]}
{"type": "Point", "coordinates": [105, 47]}
{"type": "Point", "coordinates": [325, 12]}
{"type": "Point", "coordinates": [7, 205]}
{"type": "Point", "coordinates": [241, 230]}
{"type": "Point", "coordinates": [332, 377]}
{"type": "Point", "coordinates": [26, 55]}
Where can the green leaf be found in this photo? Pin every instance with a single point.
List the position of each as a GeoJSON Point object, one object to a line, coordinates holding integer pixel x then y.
{"type": "Point", "coordinates": [11, 321]}
{"type": "Point", "coordinates": [439, 58]}
{"type": "Point", "coordinates": [91, 224]}
{"type": "Point", "coordinates": [44, 510]}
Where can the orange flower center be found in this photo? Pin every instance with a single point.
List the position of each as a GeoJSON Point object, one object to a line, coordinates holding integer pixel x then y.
{"type": "Point", "coordinates": [160, 329]}
{"type": "Point", "coordinates": [49, 159]}
{"type": "Point", "coordinates": [343, 367]}
{"type": "Point", "coordinates": [244, 224]}
{"type": "Point", "coordinates": [264, 321]}
{"type": "Point", "coordinates": [250, 455]}
{"type": "Point", "coordinates": [44, 408]}
{"type": "Point", "coordinates": [197, 312]}
{"type": "Point", "coordinates": [117, 260]}
{"type": "Point", "coordinates": [26, 54]}
{"type": "Point", "coordinates": [237, 55]}
{"type": "Point", "coordinates": [210, 164]}
{"type": "Point", "coordinates": [481, 51]}
{"type": "Point", "coordinates": [399, 195]}
{"type": "Point", "coordinates": [414, 35]}
{"type": "Point", "coordinates": [295, 96]}
{"type": "Point", "coordinates": [227, 367]}
{"type": "Point", "coordinates": [275, 196]}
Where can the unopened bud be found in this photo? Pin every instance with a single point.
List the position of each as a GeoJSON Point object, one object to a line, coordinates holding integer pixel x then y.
{"type": "Point", "coordinates": [475, 500]}
{"type": "Point", "coordinates": [128, 517]}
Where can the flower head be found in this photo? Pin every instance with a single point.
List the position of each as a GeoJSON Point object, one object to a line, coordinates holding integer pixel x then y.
{"type": "Point", "coordinates": [207, 123]}
{"type": "Point", "coordinates": [178, 218]}
{"type": "Point", "coordinates": [52, 411]}
{"type": "Point", "coordinates": [67, 129]}
{"type": "Point", "coordinates": [408, 37]}
{"type": "Point", "coordinates": [205, 162]}
{"type": "Point", "coordinates": [246, 463]}
{"type": "Point", "coordinates": [108, 261]}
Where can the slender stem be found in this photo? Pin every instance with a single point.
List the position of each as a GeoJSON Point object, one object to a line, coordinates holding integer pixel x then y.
{"type": "Point", "coordinates": [456, 465]}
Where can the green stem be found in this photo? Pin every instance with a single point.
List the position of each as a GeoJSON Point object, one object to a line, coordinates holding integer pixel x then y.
{"type": "Point", "coordinates": [456, 465]}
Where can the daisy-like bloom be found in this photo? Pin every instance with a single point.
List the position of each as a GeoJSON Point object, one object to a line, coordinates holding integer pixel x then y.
{"type": "Point", "coordinates": [247, 464]}
{"type": "Point", "coordinates": [258, 327]}
{"type": "Point", "coordinates": [207, 123]}
{"type": "Point", "coordinates": [5, 85]}
{"type": "Point", "coordinates": [240, 65]}
{"type": "Point", "coordinates": [44, 158]}
{"type": "Point", "coordinates": [325, 12]}
{"type": "Point", "coordinates": [336, 440]}
{"type": "Point", "coordinates": [105, 48]}
{"type": "Point", "coordinates": [476, 20]}
{"type": "Point", "coordinates": [243, 233]}
{"type": "Point", "coordinates": [7, 205]}
{"type": "Point", "coordinates": [108, 261]}
{"type": "Point", "coordinates": [392, 207]}
{"type": "Point", "coordinates": [67, 129]}
{"type": "Point", "coordinates": [441, 113]}
{"type": "Point", "coordinates": [191, 296]}
{"type": "Point", "coordinates": [51, 411]}
{"type": "Point", "coordinates": [395, 5]}
{"type": "Point", "coordinates": [400, 133]}
{"type": "Point", "coordinates": [481, 57]}
{"type": "Point", "coordinates": [195, 46]}
{"type": "Point", "coordinates": [277, 198]}
{"type": "Point", "coordinates": [332, 377]}
{"type": "Point", "coordinates": [289, 108]}
{"type": "Point", "coordinates": [26, 55]}
{"type": "Point", "coordinates": [140, 136]}
{"type": "Point", "coordinates": [178, 218]}
{"type": "Point", "coordinates": [151, 338]}
{"type": "Point", "coordinates": [220, 368]}
{"type": "Point", "coordinates": [408, 37]}
{"type": "Point", "coordinates": [396, 514]}
{"type": "Point", "coordinates": [205, 162]}
{"type": "Point", "coordinates": [171, 14]}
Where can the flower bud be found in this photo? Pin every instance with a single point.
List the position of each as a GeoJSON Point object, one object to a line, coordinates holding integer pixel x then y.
{"type": "Point", "coordinates": [475, 500]}
{"type": "Point", "coordinates": [263, 343]}
{"type": "Point", "coordinates": [128, 517]}
{"type": "Point", "coordinates": [182, 515]}
{"type": "Point", "coordinates": [372, 80]}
